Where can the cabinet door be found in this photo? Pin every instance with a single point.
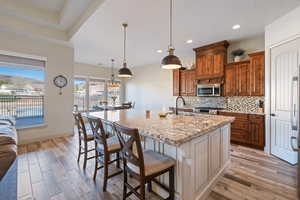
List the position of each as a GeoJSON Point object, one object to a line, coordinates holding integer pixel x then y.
{"type": "Point", "coordinates": [183, 91]}
{"type": "Point", "coordinates": [230, 81]}
{"type": "Point", "coordinates": [200, 66]}
{"type": "Point", "coordinates": [190, 83]}
{"type": "Point", "coordinates": [218, 64]}
{"type": "Point", "coordinates": [257, 74]}
{"type": "Point", "coordinates": [243, 80]}
{"type": "Point", "coordinates": [176, 86]}
{"type": "Point", "coordinates": [257, 131]}
{"type": "Point", "coordinates": [215, 152]}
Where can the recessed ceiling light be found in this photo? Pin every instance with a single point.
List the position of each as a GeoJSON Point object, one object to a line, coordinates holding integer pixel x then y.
{"type": "Point", "coordinates": [189, 41]}
{"type": "Point", "coordinates": [235, 27]}
{"type": "Point", "coordinates": [159, 51]}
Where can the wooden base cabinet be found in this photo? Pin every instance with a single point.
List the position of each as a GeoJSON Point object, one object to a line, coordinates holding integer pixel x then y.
{"type": "Point", "coordinates": [247, 129]}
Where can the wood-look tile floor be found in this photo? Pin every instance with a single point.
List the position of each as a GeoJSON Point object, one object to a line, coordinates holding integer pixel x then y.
{"type": "Point", "coordinates": [49, 170]}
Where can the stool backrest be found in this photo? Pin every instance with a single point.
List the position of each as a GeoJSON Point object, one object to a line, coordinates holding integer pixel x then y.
{"type": "Point", "coordinates": [80, 125]}
{"type": "Point", "coordinates": [130, 142]}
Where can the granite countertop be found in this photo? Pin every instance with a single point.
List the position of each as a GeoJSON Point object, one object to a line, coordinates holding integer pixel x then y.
{"type": "Point", "coordinates": [174, 129]}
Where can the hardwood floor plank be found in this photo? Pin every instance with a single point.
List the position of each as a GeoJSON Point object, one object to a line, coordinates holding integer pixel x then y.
{"type": "Point", "coordinates": [49, 170]}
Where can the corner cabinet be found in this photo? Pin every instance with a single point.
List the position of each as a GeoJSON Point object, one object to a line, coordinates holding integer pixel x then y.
{"type": "Point", "coordinates": [210, 60]}
{"type": "Point", "coordinates": [245, 78]}
{"type": "Point", "coordinates": [184, 82]}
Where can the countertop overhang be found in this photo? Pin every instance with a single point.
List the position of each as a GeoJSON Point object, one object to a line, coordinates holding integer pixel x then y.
{"type": "Point", "coordinates": [173, 130]}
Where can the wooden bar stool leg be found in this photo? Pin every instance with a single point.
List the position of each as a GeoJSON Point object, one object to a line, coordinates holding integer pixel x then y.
{"type": "Point", "coordinates": [124, 183]}
{"type": "Point", "coordinates": [149, 186]}
{"type": "Point", "coordinates": [142, 190]}
{"type": "Point", "coordinates": [172, 183]}
{"type": "Point", "coordinates": [85, 154]}
{"type": "Point", "coordinates": [118, 160]}
{"type": "Point", "coordinates": [96, 164]}
{"type": "Point", "coordinates": [106, 160]}
{"type": "Point", "coordinates": [79, 151]}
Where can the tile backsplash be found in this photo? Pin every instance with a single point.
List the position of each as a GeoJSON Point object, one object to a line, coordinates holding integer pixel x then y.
{"type": "Point", "coordinates": [238, 104]}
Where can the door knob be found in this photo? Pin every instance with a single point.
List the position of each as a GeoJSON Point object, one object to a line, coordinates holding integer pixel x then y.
{"type": "Point", "coordinates": [273, 115]}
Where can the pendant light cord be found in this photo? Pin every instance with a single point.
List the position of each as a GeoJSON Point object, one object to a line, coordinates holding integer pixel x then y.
{"type": "Point", "coordinates": [171, 24]}
{"type": "Point", "coordinates": [124, 25]}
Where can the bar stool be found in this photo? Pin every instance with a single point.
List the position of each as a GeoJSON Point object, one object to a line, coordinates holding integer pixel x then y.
{"type": "Point", "coordinates": [85, 136]}
{"type": "Point", "coordinates": [106, 144]}
{"type": "Point", "coordinates": [143, 166]}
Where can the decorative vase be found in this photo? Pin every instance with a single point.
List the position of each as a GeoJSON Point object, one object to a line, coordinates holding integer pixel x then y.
{"type": "Point", "coordinates": [237, 58]}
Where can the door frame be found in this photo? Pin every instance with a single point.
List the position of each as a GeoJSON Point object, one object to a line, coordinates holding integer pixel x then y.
{"type": "Point", "coordinates": [268, 65]}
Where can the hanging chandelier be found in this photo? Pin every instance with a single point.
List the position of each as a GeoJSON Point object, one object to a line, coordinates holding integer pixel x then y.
{"type": "Point", "coordinates": [112, 83]}
{"type": "Point", "coordinates": [124, 72]}
{"type": "Point", "coordinates": [171, 61]}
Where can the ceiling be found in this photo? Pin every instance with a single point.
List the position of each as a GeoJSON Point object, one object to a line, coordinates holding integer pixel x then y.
{"type": "Point", "coordinates": [52, 5]}
{"type": "Point", "coordinates": [204, 21]}
{"type": "Point", "coordinates": [52, 19]}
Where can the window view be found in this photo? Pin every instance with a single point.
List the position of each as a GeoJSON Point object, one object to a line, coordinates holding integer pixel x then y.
{"type": "Point", "coordinates": [91, 94]}
{"type": "Point", "coordinates": [80, 92]}
{"type": "Point", "coordinates": [22, 94]}
{"type": "Point", "coordinates": [96, 93]}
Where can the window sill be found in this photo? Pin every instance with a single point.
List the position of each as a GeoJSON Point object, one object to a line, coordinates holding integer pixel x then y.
{"type": "Point", "coordinates": [31, 126]}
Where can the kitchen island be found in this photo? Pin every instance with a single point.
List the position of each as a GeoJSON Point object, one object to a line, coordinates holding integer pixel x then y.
{"type": "Point", "coordinates": [199, 143]}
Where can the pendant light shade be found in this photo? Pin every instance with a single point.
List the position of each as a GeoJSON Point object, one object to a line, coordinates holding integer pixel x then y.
{"type": "Point", "coordinates": [171, 61]}
{"type": "Point", "coordinates": [124, 72]}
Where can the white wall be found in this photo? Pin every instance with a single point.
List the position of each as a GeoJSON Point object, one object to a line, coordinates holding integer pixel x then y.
{"type": "Point", "coordinates": [250, 45]}
{"type": "Point", "coordinates": [58, 108]}
{"type": "Point", "coordinates": [150, 87]}
{"type": "Point", "coordinates": [283, 29]}
{"type": "Point", "coordinates": [87, 70]}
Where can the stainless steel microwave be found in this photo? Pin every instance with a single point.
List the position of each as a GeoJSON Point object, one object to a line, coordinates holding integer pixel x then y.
{"type": "Point", "coordinates": [208, 90]}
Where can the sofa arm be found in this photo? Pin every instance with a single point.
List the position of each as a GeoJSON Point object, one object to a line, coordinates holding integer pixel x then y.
{"type": "Point", "coordinates": [8, 154]}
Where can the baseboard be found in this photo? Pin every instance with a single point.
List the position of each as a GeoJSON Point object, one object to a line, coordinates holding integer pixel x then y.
{"type": "Point", "coordinates": [43, 138]}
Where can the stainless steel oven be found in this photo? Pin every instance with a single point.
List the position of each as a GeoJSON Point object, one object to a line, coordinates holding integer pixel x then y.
{"type": "Point", "coordinates": [208, 90]}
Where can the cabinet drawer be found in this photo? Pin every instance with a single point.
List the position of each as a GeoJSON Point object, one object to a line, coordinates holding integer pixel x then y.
{"type": "Point", "coordinates": [239, 135]}
{"type": "Point", "coordinates": [254, 117]}
{"type": "Point", "coordinates": [240, 124]}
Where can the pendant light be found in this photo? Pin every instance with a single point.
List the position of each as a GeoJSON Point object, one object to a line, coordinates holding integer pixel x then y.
{"type": "Point", "coordinates": [112, 83]}
{"type": "Point", "coordinates": [124, 72]}
{"type": "Point", "coordinates": [171, 61]}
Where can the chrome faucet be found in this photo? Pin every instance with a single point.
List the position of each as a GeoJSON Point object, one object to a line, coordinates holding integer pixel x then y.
{"type": "Point", "coordinates": [176, 109]}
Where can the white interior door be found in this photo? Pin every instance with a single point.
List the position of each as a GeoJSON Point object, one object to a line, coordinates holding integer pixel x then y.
{"type": "Point", "coordinates": [284, 67]}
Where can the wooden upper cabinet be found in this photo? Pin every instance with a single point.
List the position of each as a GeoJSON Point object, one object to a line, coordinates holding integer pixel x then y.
{"type": "Point", "coordinates": [243, 79]}
{"type": "Point", "coordinates": [210, 60]}
{"type": "Point", "coordinates": [257, 74]}
{"type": "Point", "coordinates": [237, 79]}
{"type": "Point", "coordinates": [183, 88]}
{"type": "Point", "coordinates": [190, 83]}
{"type": "Point", "coordinates": [230, 81]}
{"type": "Point", "coordinates": [184, 82]}
{"type": "Point", "coordinates": [176, 82]}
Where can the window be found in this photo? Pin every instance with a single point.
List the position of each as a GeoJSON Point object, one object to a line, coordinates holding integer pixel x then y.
{"type": "Point", "coordinates": [80, 92]}
{"type": "Point", "coordinates": [96, 93]}
{"type": "Point", "coordinates": [90, 93]}
{"type": "Point", "coordinates": [22, 88]}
